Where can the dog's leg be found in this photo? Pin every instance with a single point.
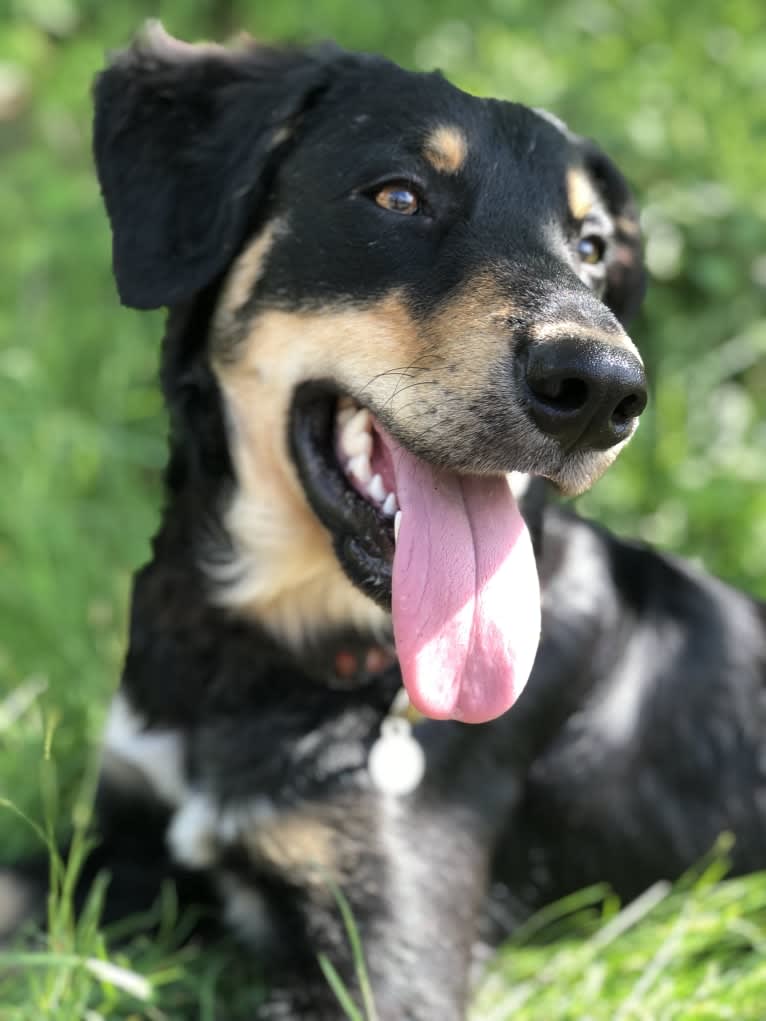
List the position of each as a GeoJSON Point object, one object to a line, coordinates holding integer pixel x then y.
{"type": "Point", "coordinates": [414, 874]}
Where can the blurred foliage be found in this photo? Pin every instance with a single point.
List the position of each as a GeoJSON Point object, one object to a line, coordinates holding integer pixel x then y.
{"type": "Point", "coordinates": [674, 92]}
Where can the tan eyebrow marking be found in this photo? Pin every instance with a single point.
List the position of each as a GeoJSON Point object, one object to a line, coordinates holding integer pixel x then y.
{"type": "Point", "coordinates": [581, 194]}
{"type": "Point", "coordinates": [446, 149]}
{"type": "Point", "coordinates": [628, 226]}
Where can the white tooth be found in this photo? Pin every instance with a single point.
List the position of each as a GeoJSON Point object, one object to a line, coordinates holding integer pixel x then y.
{"type": "Point", "coordinates": [359, 467]}
{"type": "Point", "coordinates": [390, 506]}
{"type": "Point", "coordinates": [376, 489]}
{"type": "Point", "coordinates": [360, 421]}
{"type": "Point", "coordinates": [356, 443]}
{"type": "Point", "coordinates": [354, 434]}
{"type": "Point", "coordinates": [397, 525]}
{"type": "Point", "coordinates": [344, 416]}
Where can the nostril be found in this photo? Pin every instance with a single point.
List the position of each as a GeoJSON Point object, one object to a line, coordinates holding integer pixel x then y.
{"type": "Point", "coordinates": [566, 394]}
{"type": "Point", "coordinates": [630, 407]}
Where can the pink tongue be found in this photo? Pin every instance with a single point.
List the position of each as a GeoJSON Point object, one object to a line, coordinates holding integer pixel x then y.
{"type": "Point", "coordinates": [466, 598]}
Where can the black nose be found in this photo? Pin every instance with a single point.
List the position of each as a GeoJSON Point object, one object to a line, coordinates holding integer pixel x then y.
{"type": "Point", "coordinates": [584, 393]}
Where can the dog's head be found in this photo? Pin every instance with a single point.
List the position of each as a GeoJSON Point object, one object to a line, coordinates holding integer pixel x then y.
{"type": "Point", "coordinates": [398, 294]}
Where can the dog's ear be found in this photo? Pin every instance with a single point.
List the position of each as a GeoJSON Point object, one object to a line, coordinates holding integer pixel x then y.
{"type": "Point", "coordinates": [625, 273]}
{"type": "Point", "coordinates": [183, 139]}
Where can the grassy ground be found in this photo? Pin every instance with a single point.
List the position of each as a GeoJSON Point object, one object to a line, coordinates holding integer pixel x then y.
{"type": "Point", "coordinates": [696, 952]}
{"type": "Point", "coordinates": [81, 443]}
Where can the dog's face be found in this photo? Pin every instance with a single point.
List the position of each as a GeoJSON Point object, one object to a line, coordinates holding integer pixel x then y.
{"type": "Point", "coordinates": [417, 292]}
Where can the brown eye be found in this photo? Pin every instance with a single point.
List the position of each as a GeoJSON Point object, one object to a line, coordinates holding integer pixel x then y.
{"type": "Point", "coordinates": [591, 249]}
{"type": "Point", "coordinates": [398, 198]}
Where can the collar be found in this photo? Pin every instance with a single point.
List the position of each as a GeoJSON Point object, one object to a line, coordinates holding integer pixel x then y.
{"type": "Point", "coordinates": [358, 665]}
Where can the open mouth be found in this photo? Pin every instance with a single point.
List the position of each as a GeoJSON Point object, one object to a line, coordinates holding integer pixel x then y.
{"type": "Point", "coordinates": [366, 458]}
{"type": "Point", "coordinates": [447, 552]}
{"type": "Point", "coordinates": [347, 474]}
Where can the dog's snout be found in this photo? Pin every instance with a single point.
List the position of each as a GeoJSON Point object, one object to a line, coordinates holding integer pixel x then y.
{"type": "Point", "coordinates": [587, 394]}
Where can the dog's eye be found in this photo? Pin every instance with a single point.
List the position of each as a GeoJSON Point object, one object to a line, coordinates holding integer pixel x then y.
{"type": "Point", "coordinates": [398, 197]}
{"type": "Point", "coordinates": [591, 249]}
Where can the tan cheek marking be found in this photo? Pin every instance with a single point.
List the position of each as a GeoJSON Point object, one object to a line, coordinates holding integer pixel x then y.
{"type": "Point", "coordinates": [283, 348]}
{"type": "Point", "coordinates": [242, 278]}
{"type": "Point", "coordinates": [284, 571]}
{"type": "Point", "coordinates": [446, 149]}
{"type": "Point", "coordinates": [580, 193]}
{"type": "Point", "coordinates": [480, 304]}
{"type": "Point", "coordinates": [553, 331]}
{"type": "Point", "coordinates": [472, 331]}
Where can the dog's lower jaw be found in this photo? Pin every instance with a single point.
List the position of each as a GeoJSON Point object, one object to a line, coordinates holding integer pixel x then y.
{"type": "Point", "coordinates": [365, 568]}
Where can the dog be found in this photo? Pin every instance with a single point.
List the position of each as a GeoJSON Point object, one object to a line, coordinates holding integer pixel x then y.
{"type": "Point", "coordinates": [391, 304]}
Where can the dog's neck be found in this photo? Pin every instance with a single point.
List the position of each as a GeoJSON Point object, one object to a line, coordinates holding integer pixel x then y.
{"type": "Point", "coordinates": [185, 652]}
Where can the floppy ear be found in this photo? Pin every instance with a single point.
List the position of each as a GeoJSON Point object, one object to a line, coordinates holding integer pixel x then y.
{"type": "Point", "coordinates": [625, 273]}
{"type": "Point", "coordinates": [183, 138]}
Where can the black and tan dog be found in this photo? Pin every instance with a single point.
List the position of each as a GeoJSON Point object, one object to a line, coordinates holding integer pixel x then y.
{"type": "Point", "coordinates": [386, 296]}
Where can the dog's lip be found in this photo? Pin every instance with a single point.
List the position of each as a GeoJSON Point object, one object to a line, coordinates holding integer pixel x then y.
{"type": "Point", "coordinates": [314, 442]}
{"type": "Point", "coordinates": [361, 533]}
{"type": "Point", "coordinates": [340, 500]}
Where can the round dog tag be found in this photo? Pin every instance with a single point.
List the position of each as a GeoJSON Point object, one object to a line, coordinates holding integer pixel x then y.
{"type": "Point", "coordinates": [396, 762]}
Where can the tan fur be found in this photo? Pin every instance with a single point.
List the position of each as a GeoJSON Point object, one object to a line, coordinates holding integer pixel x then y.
{"type": "Point", "coordinates": [580, 193]}
{"type": "Point", "coordinates": [243, 276]}
{"type": "Point", "coordinates": [480, 303]}
{"type": "Point", "coordinates": [627, 226]}
{"type": "Point", "coordinates": [285, 571]}
{"type": "Point", "coordinates": [299, 845]}
{"type": "Point", "coordinates": [583, 470]}
{"type": "Point", "coordinates": [472, 327]}
{"type": "Point", "coordinates": [614, 338]}
{"type": "Point", "coordinates": [297, 842]}
{"type": "Point", "coordinates": [446, 149]}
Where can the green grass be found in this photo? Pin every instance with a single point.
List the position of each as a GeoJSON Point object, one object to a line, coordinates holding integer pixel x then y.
{"type": "Point", "coordinates": [676, 95]}
{"type": "Point", "coordinates": [366, 1010]}
{"type": "Point", "coordinates": [75, 969]}
{"type": "Point", "coordinates": [693, 954]}
{"type": "Point", "coordinates": [696, 952]}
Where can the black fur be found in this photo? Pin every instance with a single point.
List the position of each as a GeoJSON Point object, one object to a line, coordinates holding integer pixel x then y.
{"type": "Point", "coordinates": [638, 738]}
{"type": "Point", "coordinates": [209, 122]}
{"type": "Point", "coordinates": [557, 794]}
